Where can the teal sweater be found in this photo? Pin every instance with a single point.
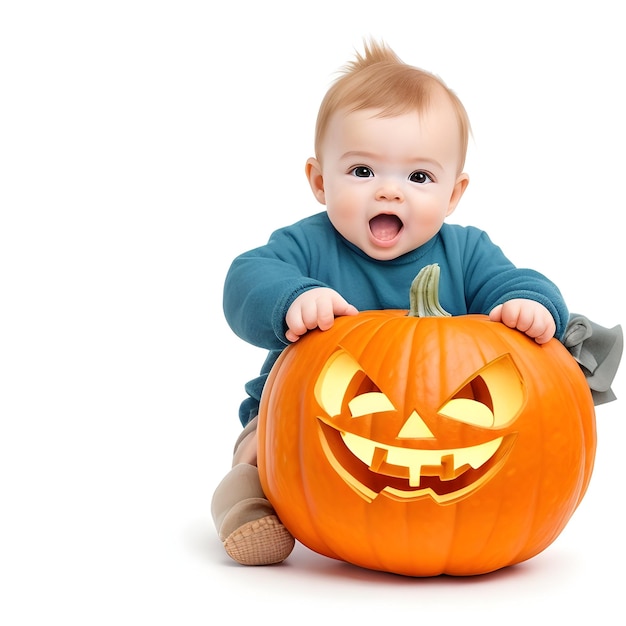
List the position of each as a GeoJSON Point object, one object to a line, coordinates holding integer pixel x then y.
{"type": "Point", "coordinates": [262, 283]}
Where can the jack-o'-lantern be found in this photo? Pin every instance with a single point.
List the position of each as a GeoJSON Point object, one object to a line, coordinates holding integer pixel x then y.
{"type": "Point", "coordinates": [425, 444]}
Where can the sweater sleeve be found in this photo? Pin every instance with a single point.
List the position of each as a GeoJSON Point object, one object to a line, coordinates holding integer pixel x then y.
{"type": "Point", "coordinates": [261, 285]}
{"type": "Point", "coordinates": [491, 279]}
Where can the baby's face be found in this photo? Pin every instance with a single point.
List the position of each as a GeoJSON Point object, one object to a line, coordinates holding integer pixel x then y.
{"type": "Point", "coordinates": [389, 182]}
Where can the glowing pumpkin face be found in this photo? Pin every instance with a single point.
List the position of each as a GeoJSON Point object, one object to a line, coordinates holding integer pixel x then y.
{"type": "Point", "coordinates": [423, 446]}
{"type": "Point", "coordinates": [408, 462]}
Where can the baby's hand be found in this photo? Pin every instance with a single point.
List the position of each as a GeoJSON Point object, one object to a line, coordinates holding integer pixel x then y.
{"type": "Point", "coordinates": [527, 316]}
{"type": "Point", "coordinates": [316, 308]}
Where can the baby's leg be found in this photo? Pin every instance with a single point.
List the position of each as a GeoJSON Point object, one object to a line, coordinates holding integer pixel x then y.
{"type": "Point", "coordinates": [245, 520]}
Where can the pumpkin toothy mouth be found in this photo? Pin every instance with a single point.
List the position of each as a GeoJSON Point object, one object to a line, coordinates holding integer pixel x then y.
{"type": "Point", "coordinates": [445, 475]}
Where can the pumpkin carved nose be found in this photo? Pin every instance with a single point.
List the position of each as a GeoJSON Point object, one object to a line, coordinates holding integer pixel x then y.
{"type": "Point", "coordinates": [415, 428]}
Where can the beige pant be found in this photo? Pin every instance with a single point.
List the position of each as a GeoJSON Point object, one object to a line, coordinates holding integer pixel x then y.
{"type": "Point", "coordinates": [246, 522]}
{"type": "Point", "coordinates": [239, 498]}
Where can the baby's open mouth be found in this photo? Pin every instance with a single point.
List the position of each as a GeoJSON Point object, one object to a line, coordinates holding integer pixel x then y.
{"type": "Point", "coordinates": [385, 226]}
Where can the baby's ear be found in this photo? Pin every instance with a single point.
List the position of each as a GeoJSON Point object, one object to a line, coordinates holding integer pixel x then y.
{"type": "Point", "coordinates": [460, 186]}
{"type": "Point", "coordinates": [313, 172]}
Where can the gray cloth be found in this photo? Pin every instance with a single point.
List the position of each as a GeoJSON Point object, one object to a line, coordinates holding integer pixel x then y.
{"type": "Point", "coordinates": [598, 351]}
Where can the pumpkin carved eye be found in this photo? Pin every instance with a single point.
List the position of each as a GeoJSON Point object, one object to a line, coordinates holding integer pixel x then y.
{"type": "Point", "coordinates": [343, 377]}
{"type": "Point", "coordinates": [492, 399]}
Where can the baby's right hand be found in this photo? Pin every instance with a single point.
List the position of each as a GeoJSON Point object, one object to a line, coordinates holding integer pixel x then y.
{"type": "Point", "coordinates": [316, 308]}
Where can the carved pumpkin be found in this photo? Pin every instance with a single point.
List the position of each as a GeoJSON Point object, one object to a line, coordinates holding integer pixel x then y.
{"type": "Point", "coordinates": [425, 445]}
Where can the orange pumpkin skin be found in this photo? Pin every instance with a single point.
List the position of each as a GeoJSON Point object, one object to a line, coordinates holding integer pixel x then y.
{"type": "Point", "coordinates": [412, 502]}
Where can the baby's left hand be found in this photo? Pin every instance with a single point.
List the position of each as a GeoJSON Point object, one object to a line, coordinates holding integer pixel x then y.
{"type": "Point", "coordinates": [527, 316]}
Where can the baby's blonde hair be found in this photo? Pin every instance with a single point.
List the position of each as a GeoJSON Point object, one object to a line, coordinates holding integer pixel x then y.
{"type": "Point", "coordinates": [378, 79]}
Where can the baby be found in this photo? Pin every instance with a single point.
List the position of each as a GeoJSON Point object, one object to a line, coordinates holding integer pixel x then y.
{"type": "Point", "coordinates": [390, 148]}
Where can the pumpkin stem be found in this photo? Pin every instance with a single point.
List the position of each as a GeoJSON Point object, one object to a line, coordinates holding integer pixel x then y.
{"type": "Point", "coordinates": [424, 294]}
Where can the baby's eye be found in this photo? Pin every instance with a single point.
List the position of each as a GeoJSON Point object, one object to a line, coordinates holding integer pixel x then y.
{"type": "Point", "coordinates": [362, 171]}
{"type": "Point", "coordinates": [420, 177]}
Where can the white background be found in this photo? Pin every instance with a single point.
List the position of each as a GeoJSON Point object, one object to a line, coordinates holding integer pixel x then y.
{"type": "Point", "coordinates": [142, 146]}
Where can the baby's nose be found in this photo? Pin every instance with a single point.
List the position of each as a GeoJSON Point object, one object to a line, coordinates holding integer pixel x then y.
{"type": "Point", "coordinates": [389, 191]}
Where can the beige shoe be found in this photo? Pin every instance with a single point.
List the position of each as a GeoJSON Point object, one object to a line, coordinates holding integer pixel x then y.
{"type": "Point", "coordinates": [246, 522]}
{"type": "Point", "coordinates": [262, 541]}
